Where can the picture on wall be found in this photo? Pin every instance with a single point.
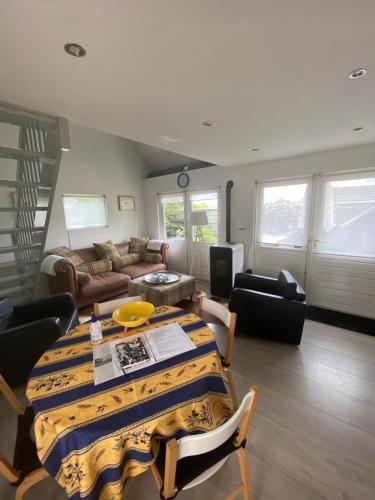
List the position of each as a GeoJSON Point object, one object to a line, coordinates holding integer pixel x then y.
{"type": "Point", "coordinates": [126, 203]}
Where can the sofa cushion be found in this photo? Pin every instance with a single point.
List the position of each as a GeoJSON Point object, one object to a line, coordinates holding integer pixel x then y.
{"type": "Point", "coordinates": [67, 253]}
{"type": "Point", "coordinates": [6, 314]}
{"type": "Point", "coordinates": [141, 269]}
{"type": "Point", "coordinates": [153, 257]}
{"type": "Point", "coordinates": [104, 283]}
{"type": "Point", "coordinates": [138, 245]}
{"type": "Point", "coordinates": [125, 260]}
{"type": "Point", "coordinates": [106, 250]}
{"type": "Point", "coordinates": [83, 278]}
{"type": "Point", "coordinates": [97, 267]}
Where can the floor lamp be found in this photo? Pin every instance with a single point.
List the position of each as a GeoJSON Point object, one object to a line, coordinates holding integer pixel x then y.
{"type": "Point", "coordinates": [197, 221]}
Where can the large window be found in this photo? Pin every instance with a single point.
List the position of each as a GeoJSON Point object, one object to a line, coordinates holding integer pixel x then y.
{"type": "Point", "coordinates": [347, 216]}
{"type": "Point", "coordinates": [172, 216]}
{"type": "Point", "coordinates": [82, 211]}
{"type": "Point", "coordinates": [206, 203]}
{"type": "Point", "coordinates": [283, 213]}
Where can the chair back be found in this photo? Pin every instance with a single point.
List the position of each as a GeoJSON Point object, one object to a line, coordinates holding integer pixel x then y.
{"type": "Point", "coordinates": [208, 441]}
{"type": "Point", "coordinates": [216, 309]}
{"type": "Point", "coordinates": [111, 305]}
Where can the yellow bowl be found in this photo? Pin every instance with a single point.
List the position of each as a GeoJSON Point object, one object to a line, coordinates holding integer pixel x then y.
{"type": "Point", "coordinates": [133, 314]}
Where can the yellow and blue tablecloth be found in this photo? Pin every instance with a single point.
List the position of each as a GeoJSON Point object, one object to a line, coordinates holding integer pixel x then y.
{"type": "Point", "coordinates": [91, 439]}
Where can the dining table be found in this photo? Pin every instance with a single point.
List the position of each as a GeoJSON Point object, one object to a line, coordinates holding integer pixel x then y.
{"type": "Point", "coordinates": [93, 438]}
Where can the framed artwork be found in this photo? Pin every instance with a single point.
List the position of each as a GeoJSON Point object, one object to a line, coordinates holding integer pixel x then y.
{"type": "Point", "coordinates": [126, 203]}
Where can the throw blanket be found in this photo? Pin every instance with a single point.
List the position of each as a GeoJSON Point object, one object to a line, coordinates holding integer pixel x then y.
{"type": "Point", "coordinates": [155, 245]}
{"type": "Point", "coordinates": [48, 264]}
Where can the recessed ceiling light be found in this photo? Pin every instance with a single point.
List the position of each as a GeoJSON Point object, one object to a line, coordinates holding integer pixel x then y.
{"type": "Point", "coordinates": [357, 129]}
{"type": "Point", "coordinates": [357, 73]}
{"type": "Point", "coordinates": [255, 150]}
{"type": "Point", "coordinates": [208, 123]}
{"type": "Point", "coordinates": [75, 50]}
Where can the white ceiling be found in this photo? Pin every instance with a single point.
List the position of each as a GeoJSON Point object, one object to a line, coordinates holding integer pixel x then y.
{"type": "Point", "coordinates": [271, 74]}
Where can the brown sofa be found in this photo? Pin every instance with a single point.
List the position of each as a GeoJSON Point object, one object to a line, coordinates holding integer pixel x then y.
{"type": "Point", "coordinates": [101, 286]}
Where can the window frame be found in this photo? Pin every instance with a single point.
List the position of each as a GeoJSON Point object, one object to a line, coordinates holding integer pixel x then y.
{"type": "Point", "coordinates": [100, 196]}
{"type": "Point", "coordinates": [260, 186]}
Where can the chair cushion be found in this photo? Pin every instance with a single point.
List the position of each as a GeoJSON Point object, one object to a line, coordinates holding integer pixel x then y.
{"type": "Point", "coordinates": [97, 267]}
{"type": "Point", "coordinates": [106, 250]}
{"type": "Point", "coordinates": [189, 468]}
{"type": "Point", "coordinates": [67, 253]}
{"type": "Point", "coordinates": [153, 257]}
{"type": "Point", "coordinates": [7, 318]}
{"type": "Point", "coordinates": [102, 283]}
{"type": "Point", "coordinates": [141, 269]}
{"type": "Point", "coordinates": [138, 245]}
{"type": "Point", "coordinates": [83, 278]}
{"type": "Point", "coordinates": [25, 457]}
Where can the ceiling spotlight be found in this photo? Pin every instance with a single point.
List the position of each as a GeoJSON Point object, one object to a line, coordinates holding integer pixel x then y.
{"type": "Point", "coordinates": [255, 150]}
{"type": "Point", "coordinates": [75, 50]}
{"type": "Point", "coordinates": [357, 129]}
{"type": "Point", "coordinates": [208, 123]}
{"type": "Point", "coordinates": [357, 73]}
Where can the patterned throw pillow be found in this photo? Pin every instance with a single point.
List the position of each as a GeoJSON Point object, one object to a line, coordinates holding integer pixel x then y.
{"type": "Point", "coordinates": [106, 250]}
{"type": "Point", "coordinates": [125, 260]}
{"type": "Point", "coordinates": [68, 254]}
{"type": "Point", "coordinates": [83, 278]}
{"type": "Point", "coordinates": [138, 245]}
{"type": "Point", "coordinates": [156, 258]}
{"type": "Point", "coordinates": [97, 267]}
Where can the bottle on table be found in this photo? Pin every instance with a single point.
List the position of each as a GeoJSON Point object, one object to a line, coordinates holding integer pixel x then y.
{"type": "Point", "coordinates": [95, 330]}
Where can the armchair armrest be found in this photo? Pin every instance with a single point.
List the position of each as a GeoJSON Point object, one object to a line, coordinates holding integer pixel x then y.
{"type": "Point", "coordinates": [258, 283]}
{"type": "Point", "coordinates": [164, 253]}
{"type": "Point", "coordinates": [65, 279]}
{"type": "Point", "coordinates": [55, 305]}
{"type": "Point", "coordinates": [22, 346]}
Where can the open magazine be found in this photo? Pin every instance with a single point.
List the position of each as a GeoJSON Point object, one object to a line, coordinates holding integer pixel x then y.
{"type": "Point", "coordinates": [133, 353]}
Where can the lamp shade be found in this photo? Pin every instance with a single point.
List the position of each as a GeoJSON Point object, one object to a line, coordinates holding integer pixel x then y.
{"type": "Point", "coordinates": [199, 218]}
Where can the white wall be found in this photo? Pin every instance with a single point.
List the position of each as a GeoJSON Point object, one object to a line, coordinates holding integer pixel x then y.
{"type": "Point", "coordinates": [244, 177]}
{"type": "Point", "coordinates": [98, 163]}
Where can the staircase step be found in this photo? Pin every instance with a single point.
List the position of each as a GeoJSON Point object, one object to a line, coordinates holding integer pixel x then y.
{"type": "Point", "coordinates": [22, 154]}
{"type": "Point", "coordinates": [16, 291]}
{"type": "Point", "coordinates": [13, 268]}
{"type": "Point", "coordinates": [14, 248]}
{"type": "Point", "coordinates": [20, 184]}
{"type": "Point", "coordinates": [15, 230]}
{"type": "Point", "coordinates": [25, 118]}
{"type": "Point", "coordinates": [23, 209]}
{"type": "Point", "coordinates": [13, 281]}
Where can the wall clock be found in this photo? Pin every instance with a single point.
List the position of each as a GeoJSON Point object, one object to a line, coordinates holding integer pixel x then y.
{"type": "Point", "coordinates": [183, 180]}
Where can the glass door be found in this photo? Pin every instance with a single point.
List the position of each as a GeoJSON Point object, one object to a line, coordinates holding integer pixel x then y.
{"type": "Point", "coordinates": [172, 224]}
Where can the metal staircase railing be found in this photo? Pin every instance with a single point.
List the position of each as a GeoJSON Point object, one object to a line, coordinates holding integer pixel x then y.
{"type": "Point", "coordinates": [28, 175]}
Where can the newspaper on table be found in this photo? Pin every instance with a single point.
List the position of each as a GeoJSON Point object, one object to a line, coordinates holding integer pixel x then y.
{"type": "Point", "coordinates": [133, 353]}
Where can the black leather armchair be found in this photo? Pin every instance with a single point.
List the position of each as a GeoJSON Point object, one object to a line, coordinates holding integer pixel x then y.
{"type": "Point", "coordinates": [26, 331]}
{"type": "Point", "coordinates": [268, 307]}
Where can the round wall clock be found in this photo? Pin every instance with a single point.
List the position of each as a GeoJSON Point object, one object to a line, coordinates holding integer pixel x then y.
{"type": "Point", "coordinates": [183, 180]}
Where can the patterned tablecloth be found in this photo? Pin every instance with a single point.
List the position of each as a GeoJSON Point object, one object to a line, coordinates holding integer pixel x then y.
{"type": "Point", "coordinates": [91, 439]}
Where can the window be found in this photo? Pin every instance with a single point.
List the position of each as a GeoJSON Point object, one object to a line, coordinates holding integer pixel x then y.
{"type": "Point", "coordinates": [84, 210]}
{"type": "Point", "coordinates": [206, 204]}
{"type": "Point", "coordinates": [347, 219]}
{"type": "Point", "coordinates": [283, 213]}
{"type": "Point", "coordinates": [172, 216]}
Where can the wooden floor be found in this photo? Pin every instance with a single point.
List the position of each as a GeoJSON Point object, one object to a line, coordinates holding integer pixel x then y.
{"type": "Point", "coordinates": [313, 435]}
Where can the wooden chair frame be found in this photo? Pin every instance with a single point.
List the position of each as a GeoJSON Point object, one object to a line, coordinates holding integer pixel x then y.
{"type": "Point", "coordinates": [230, 322]}
{"type": "Point", "coordinates": [167, 483]}
{"type": "Point", "coordinates": [6, 469]}
{"type": "Point", "coordinates": [124, 300]}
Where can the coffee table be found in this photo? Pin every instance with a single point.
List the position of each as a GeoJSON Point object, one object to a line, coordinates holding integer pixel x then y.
{"type": "Point", "coordinates": [163, 294]}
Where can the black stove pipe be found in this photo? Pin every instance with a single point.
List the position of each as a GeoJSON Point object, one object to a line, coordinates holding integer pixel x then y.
{"type": "Point", "coordinates": [228, 210]}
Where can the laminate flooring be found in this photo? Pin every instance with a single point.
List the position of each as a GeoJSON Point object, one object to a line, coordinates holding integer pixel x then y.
{"type": "Point", "coordinates": [313, 433]}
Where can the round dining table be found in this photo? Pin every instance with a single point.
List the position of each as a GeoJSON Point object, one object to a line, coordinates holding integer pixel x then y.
{"type": "Point", "coordinates": [93, 438]}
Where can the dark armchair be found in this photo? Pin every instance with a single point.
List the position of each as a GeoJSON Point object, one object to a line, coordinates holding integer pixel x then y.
{"type": "Point", "coordinates": [26, 331]}
{"type": "Point", "coordinates": [268, 307]}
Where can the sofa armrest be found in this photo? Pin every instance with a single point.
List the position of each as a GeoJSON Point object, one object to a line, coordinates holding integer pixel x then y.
{"type": "Point", "coordinates": [55, 305]}
{"type": "Point", "coordinates": [164, 253]}
{"type": "Point", "coordinates": [258, 283]}
{"type": "Point", "coordinates": [22, 346]}
{"type": "Point", "coordinates": [290, 287]}
{"type": "Point", "coordinates": [65, 279]}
